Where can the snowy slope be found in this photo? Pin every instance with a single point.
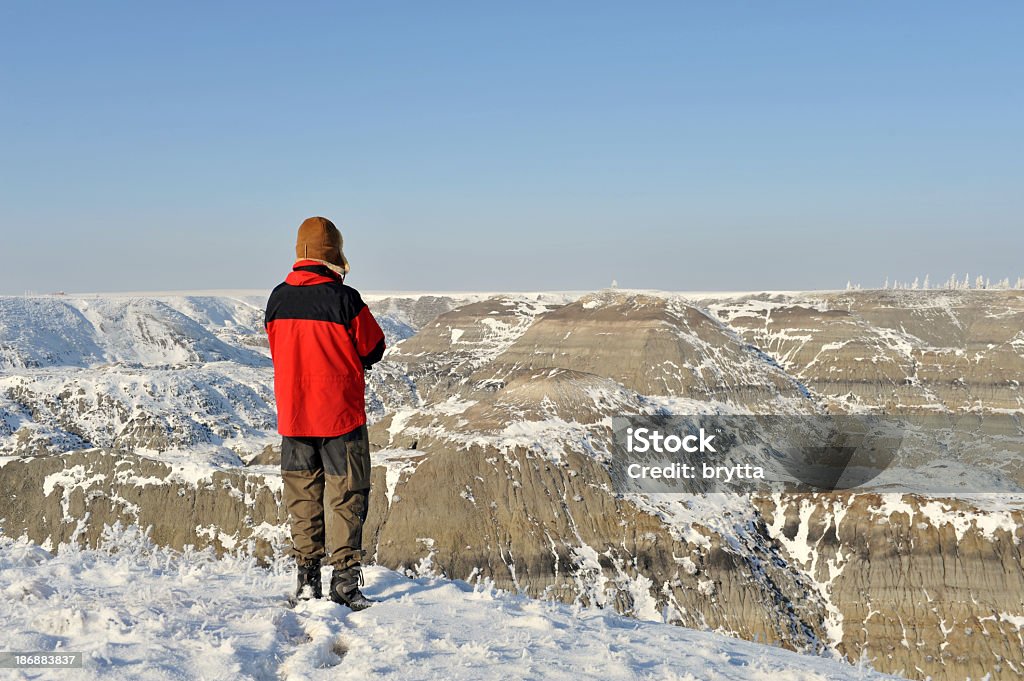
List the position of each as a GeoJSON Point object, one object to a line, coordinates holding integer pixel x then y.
{"type": "Point", "coordinates": [151, 372]}
{"type": "Point", "coordinates": [162, 372]}
{"type": "Point", "coordinates": [142, 612]}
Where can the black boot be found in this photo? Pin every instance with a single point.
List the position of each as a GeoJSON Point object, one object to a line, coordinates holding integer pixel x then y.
{"type": "Point", "coordinates": [309, 581]}
{"type": "Point", "coordinates": [345, 588]}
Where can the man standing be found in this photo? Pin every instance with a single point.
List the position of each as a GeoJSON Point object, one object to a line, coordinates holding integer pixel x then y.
{"type": "Point", "coordinates": [322, 340]}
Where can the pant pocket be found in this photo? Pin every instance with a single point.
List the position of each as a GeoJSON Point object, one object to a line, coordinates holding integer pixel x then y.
{"type": "Point", "coordinates": [357, 455]}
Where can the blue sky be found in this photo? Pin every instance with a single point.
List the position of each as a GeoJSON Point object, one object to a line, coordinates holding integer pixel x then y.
{"type": "Point", "coordinates": [487, 146]}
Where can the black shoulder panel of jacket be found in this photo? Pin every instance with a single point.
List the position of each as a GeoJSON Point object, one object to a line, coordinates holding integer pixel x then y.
{"type": "Point", "coordinates": [328, 302]}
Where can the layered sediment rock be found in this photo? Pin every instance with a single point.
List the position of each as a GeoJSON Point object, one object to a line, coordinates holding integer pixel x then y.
{"type": "Point", "coordinates": [548, 530]}
{"type": "Point", "coordinates": [923, 587]}
{"type": "Point", "coordinates": [894, 350]}
{"type": "Point", "coordinates": [652, 345]}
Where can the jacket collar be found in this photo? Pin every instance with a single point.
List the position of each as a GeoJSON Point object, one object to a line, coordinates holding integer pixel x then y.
{"type": "Point", "coordinates": [311, 273]}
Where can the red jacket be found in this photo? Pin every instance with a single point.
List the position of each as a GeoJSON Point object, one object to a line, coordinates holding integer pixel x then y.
{"type": "Point", "coordinates": [322, 339]}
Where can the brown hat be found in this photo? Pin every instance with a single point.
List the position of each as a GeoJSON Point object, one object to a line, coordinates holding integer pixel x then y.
{"type": "Point", "coordinates": [319, 239]}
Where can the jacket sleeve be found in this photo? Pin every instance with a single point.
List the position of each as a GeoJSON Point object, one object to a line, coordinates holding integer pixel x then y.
{"type": "Point", "coordinates": [368, 337]}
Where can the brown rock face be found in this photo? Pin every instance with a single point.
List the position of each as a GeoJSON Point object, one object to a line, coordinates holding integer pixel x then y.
{"type": "Point", "coordinates": [70, 497]}
{"type": "Point", "coordinates": [443, 353]}
{"type": "Point", "coordinates": [898, 350]}
{"type": "Point", "coordinates": [547, 530]}
{"type": "Point", "coordinates": [553, 530]}
{"type": "Point", "coordinates": [651, 345]}
{"type": "Point", "coordinates": [920, 586]}
{"type": "Point", "coordinates": [882, 588]}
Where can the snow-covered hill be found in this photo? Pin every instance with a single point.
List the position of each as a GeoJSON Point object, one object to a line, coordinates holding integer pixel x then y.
{"type": "Point", "coordinates": [139, 612]}
{"type": "Point", "coordinates": [157, 373]}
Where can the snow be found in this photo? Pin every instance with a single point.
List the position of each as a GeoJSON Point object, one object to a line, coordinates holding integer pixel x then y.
{"type": "Point", "coordinates": [557, 297]}
{"type": "Point", "coordinates": [69, 478]}
{"type": "Point", "coordinates": [396, 463]}
{"type": "Point", "coordinates": [138, 611]}
{"type": "Point", "coordinates": [806, 555]}
{"type": "Point", "coordinates": [938, 513]}
{"type": "Point", "coordinates": [102, 372]}
{"type": "Point", "coordinates": [798, 547]}
{"type": "Point", "coordinates": [398, 420]}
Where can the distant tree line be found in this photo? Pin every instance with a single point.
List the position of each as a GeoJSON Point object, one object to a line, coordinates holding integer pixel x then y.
{"type": "Point", "coordinates": [954, 283]}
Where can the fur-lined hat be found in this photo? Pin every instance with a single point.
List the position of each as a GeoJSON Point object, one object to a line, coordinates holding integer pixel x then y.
{"type": "Point", "coordinates": [320, 240]}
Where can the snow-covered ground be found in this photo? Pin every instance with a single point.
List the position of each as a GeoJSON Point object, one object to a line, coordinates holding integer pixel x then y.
{"type": "Point", "coordinates": [138, 611]}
